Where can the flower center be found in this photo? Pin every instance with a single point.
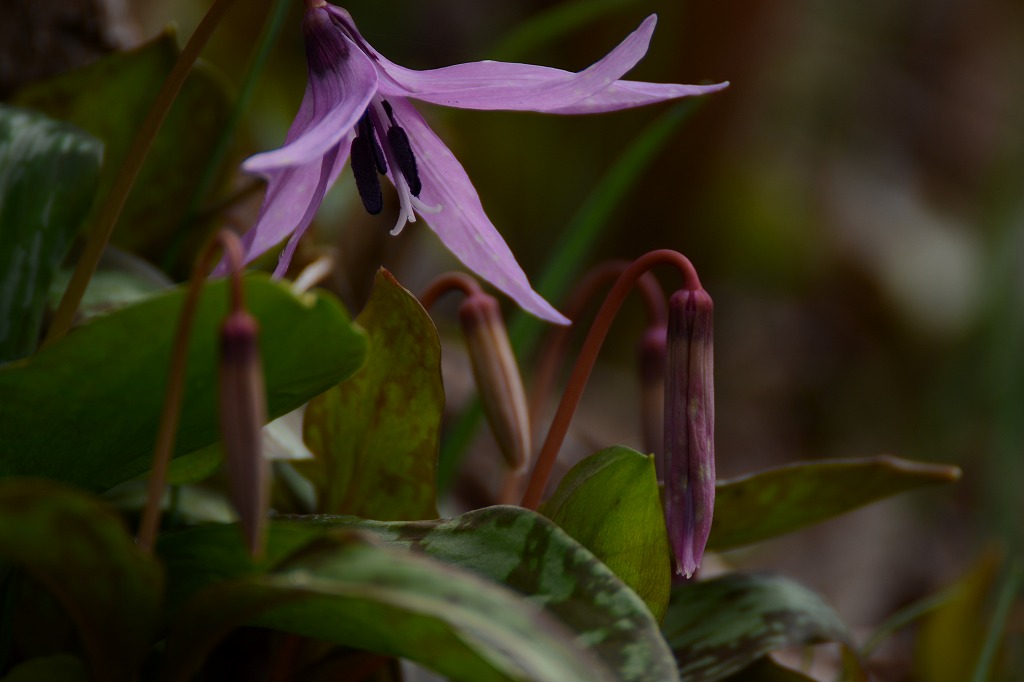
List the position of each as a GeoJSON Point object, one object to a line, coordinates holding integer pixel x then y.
{"type": "Point", "coordinates": [369, 158]}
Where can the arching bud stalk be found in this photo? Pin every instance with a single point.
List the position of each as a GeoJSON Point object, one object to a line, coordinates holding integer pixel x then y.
{"type": "Point", "coordinates": [652, 353]}
{"type": "Point", "coordinates": [689, 458]}
{"type": "Point", "coordinates": [497, 377]}
{"type": "Point", "coordinates": [243, 412]}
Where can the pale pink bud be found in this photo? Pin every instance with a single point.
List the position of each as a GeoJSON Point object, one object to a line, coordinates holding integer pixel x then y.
{"type": "Point", "coordinates": [497, 376]}
{"type": "Point", "coordinates": [689, 457]}
{"type": "Point", "coordinates": [243, 412]}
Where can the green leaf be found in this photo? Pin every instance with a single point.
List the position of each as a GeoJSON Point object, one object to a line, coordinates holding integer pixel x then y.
{"type": "Point", "coordinates": [78, 549]}
{"type": "Point", "coordinates": [375, 436]}
{"type": "Point", "coordinates": [48, 176]}
{"type": "Point", "coordinates": [85, 410]}
{"type": "Point", "coordinates": [533, 556]}
{"type": "Point", "coordinates": [946, 650]}
{"type": "Point", "coordinates": [347, 591]}
{"type": "Point", "coordinates": [781, 500]}
{"type": "Point", "coordinates": [63, 667]}
{"type": "Point", "coordinates": [176, 162]}
{"type": "Point", "coordinates": [609, 502]}
{"type": "Point", "coordinates": [718, 627]}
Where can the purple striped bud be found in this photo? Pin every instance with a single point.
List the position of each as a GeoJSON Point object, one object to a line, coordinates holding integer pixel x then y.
{"type": "Point", "coordinates": [243, 411]}
{"type": "Point", "coordinates": [497, 377]}
{"type": "Point", "coordinates": [689, 448]}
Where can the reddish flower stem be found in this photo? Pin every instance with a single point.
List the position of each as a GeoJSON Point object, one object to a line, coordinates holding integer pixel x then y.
{"type": "Point", "coordinates": [587, 357]}
{"type": "Point", "coordinates": [169, 417]}
{"type": "Point", "coordinates": [448, 282]}
{"type": "Point", "coordinates": [553, 352]}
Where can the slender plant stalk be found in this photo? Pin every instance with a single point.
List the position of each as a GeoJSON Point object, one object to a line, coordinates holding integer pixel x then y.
{"type": "Point", "coordinates": [997, 627]}
{"type": "Point", "coordinates": [588, 356]}
{"type": "Point", "coordinates": [448, 282]}
{"type": "Point", "coordinates": [128, 172]}
{"type": "Point", "coordinates": [169, 417]}
{"type": "Point", "coordinates": [551, 354]}
{"type": "Point", "coordinates": [567, 260]}
{"type": "Point", "coordinates": [197, 212]}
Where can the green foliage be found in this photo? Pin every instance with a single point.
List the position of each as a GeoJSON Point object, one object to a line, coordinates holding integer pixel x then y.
{"type": "Point", "coordinates": [79, 550]}
{"type": "Point", "coordinates": [375, 435]}
{"type": "Point", "coordinates": [946, 650]}
{"type": "Point", "coordinates": [105, 379]}
{"type": "Point", "coordinates": [781, 500]}
{"type": "Point", "coordinates": [610, 504]}
{"type": "Point", "coordinates": [530, 554]}
{"type": "Point", "coordinates": [345, 590]}
{"type": "Point", "coordinates": [48, 174]}
{"type": "Point", "coordinates": [721, 626]}
{"type": "Point", "coordinates": [176, 163]}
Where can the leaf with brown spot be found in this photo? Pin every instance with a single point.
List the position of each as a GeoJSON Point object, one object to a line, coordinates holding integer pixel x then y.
{"type": "Point", "coordinates": [375, 436]}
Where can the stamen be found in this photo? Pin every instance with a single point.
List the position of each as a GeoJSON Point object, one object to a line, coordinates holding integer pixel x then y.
{"type": "Point", "coordinates": [365, 173]}
{"type": "Point", "coordinates": [404, 157]}
{"type": "Point", "coordinates": [366, 130]}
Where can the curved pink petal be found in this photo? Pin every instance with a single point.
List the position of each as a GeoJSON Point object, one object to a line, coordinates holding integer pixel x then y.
{"type": "Point", "coordinates": [292, 199]}
{"type": "Point", "coordinates": [630, 94]}
{"type": "Point", "coordinates": [504, 85]}
{"type": "Point", "coordinates": [461, 223]}
{"type": "Point", "coordinates": [342, 79]}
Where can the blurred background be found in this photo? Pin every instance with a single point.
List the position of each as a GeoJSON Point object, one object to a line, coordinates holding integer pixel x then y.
{"type": "Point", "coordinates": [853, 203]}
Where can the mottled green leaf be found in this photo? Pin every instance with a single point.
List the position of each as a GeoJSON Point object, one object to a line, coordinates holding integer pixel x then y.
{"type": "Point", "coordinates": [63, 667]}
{"type": "Point", "coordinates": [48, 176]}
{"type": "Point", "coordinates": [538, 559]}
{"type": "Point", "coordinates": [609, 502]}
{"type": "Point", "coordinates": [375, 436]}
{"type": "Point", "coordinates": [345, 590]}
{"type": "Point", "coordinates": [85, 409]}
{"type": "Point", "coordinates": [78, 549]}
{"type": "Point", "coordinates": [781, 500]}
{"type": "Point", "coordinates": [177, 159]}
{"type": "Point", "coordinates": [718, 627]}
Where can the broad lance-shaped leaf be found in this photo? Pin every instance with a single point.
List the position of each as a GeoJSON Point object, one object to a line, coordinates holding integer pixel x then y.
{"type": "Point", "coordinates": [375, 436]}
{"type": "Point", "coordinates": [345, 590]}
{"type": "Point", "coordinates": [85, 410]}
{"type": "Point", "coordinates": [156, 207]}
{"type": "Point", "coordinates": [609, 502]}
{"type": "Point", "coordinates": [78, 549]}
{"type": "Point", "coordinates": [781, 500]}
{"type": "Point", "coordinates": [48, 176]}
{"type": "Point", "coordinates": [535, 557]}
{"type": "Point", "coordinates": [719, 627]}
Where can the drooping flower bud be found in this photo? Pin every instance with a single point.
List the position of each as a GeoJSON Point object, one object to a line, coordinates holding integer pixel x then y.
{"type": "Point", "coordinates": [652, 352]}
{"type": "Point", "coordinates": [243, 412]}
{"type": "Point", "coordinates": [497, 377]}
{"type": "Point", "coordinates": [689, 447]}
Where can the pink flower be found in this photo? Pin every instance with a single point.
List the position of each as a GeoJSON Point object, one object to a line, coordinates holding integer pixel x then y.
{"type": "Point", "coordinates": [357, 106]}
